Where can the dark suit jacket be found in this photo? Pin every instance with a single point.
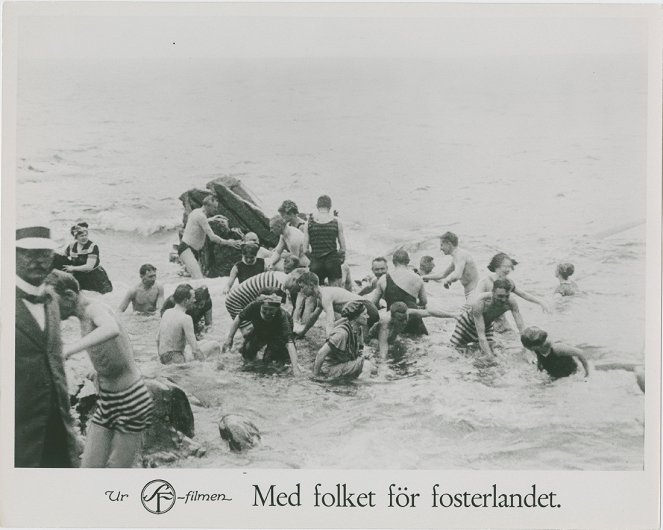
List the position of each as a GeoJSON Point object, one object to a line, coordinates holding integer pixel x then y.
{"type": "Point", "coordinates": [41, 387]}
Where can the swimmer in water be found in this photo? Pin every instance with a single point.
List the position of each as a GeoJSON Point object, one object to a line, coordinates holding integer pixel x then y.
{"type": "Point", "coordinates": [558, 359]}
{"type": "Point", "coordinates": [426, 265]}
{"type": "Point", "coordinates": [147, 296]}
{"type": "Point", "coordinates": [462, 267]}
{"type": "Point", "coordinates": [395, 320]}
{"type": "Point", "coordinates": [566, 287]}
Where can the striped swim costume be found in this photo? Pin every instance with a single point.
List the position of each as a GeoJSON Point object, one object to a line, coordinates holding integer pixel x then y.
{"type": "Point", "coordinates": [128, 410]}
{"type": "Point", "coordinates": [465, 331]}
{"type": "Point", "coordinates": [246, 292]}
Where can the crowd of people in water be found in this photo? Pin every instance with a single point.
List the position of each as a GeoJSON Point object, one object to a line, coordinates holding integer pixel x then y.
{"type": "Point", "coordinates": [274, 297]}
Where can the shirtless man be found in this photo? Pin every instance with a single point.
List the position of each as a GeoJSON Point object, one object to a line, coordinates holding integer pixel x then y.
{"type": "Point", "coordinates": [395, 320]}
{"type": "Point", "coordinates": [176, 330]}
{"type": "Point", "coordinates": [379, 268]}
{"type": "Point", "coordinates": [193, 239]}
{"type": "Point", "coordinates": [462, 267]}
{"type": "Point", "coordinates": [328, 299]}
{"type": "Point", "coordinates": [476, 322]}
{"type": "Point", "coordinates": [124, 406]}
{"type": "Point", "coordinates": [290, 213]}
{"type": "Point", "coordinates": [403, 285]}
{"type": "Point", "coordinates": [147, 296]}
{"type": "Point", "coordinates": [290, 239]}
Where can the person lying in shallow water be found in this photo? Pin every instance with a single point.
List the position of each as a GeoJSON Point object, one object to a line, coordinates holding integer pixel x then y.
{"type": "Point", "coordinates": [558, 359]}
{"type": "Point", "coordinates": [394, 321]}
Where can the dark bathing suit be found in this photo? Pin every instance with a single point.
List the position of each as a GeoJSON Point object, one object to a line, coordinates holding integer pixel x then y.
{"type": "Point", "coordinates": [393, 293]}
{"type": "Point", "coordinates": [557, 365]}
{"type": "Point", "coordinates": [94, 280]}
{"type": "Point", "coordinates": [244, 271]}
{"type": "Point", "coordinates": [325, 261]}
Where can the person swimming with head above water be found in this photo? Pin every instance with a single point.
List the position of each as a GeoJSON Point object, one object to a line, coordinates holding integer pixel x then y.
{"type": "Point", "coordinates": [394, 321]}
{"type": "Point", "coordinates": [566, 287]}
{"type": "Point", "coordinates": [475, 325]}
{"type": "Point", "coordinates": [147, 296]}
{"type": "Point", "coordinates": [558, 359]}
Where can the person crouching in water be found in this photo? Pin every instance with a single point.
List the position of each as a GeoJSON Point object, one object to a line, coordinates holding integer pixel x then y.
{"type": "Point", "coordinates": [341, 356]}
{"type": "Point", "coordinates": [124, 407]}
{"type": "Point", "coordinates": [566, 287]}
{"type": "Point", "coordinates": [558, 360]}
{"type": "Point", "coordinates": [265, 324]}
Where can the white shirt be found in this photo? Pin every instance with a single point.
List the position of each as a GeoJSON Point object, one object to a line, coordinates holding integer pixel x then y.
{"type": "Point", "coordinates": [37, 310]}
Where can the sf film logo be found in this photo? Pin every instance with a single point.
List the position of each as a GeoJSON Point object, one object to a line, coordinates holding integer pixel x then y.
{"type": "Point", "coordinates": [158, 496]}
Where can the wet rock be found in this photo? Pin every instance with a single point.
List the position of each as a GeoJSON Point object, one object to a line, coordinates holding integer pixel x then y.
{"type": "Point", "coordinates": [640, 379]}
{"type": "Point", "coordinates": [239, 432]}
{"type": "Point", "coordinates": [172, 418]}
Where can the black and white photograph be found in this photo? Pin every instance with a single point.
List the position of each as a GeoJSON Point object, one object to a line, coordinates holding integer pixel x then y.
{"type": "Point", "coordinates": [310, 236]}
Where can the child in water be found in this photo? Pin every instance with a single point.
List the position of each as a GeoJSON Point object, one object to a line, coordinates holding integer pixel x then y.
{"type": "Point", "coordinates": [566, 287]}
{"type": "Point", "coordinates": [559, 360]}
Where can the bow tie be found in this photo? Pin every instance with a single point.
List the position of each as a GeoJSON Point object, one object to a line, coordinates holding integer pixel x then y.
{"type": "Point", "coordinates": [33, 298]}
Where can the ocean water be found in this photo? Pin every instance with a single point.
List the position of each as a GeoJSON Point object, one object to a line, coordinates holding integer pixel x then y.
{"type": "Point", "coordinates": [535, 156]}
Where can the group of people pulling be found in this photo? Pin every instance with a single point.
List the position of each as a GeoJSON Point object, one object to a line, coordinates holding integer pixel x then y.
{"type": "Point", "coordinates": [307, 269]}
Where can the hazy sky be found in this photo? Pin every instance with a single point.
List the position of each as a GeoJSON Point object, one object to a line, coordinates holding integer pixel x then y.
{"type": "Point", "coordinates": [322, 30]}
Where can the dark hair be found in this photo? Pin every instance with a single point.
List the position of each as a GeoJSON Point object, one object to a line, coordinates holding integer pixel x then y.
{"type": "Point", "coordinates": [324, 201]}
{"type": "Point", "coordinates": [400, 257]}
{"type": "Point", "coordinates": [268, 291]}
{"type": "Point", "coordinates": [288, 207]}
{"type": "Point", "coordinates": [209, 198]}
{"type": "Point", "coordinates": [398, 307]}
{"type": "Point", "coordinates": [379, 258]}
{"type": "Point", "coordinates": [182, 293]}
{"type": "Point", "coordinates": [565, 270]}
{"type": "Point", "coordinates": [202, 293]}
{"type": "Point", "coordinates": [498, 259]}
{"type": "Point", "coordinates": [503, 284]}
{"type": "Point", "coordinates": [426, 260]}
{"type": "Point", "coordinates": [450, 237]}
{"type": "Point", "coordinates": [250, 250]}
{"type": "Point", "coordinates": [309, 278]}
{"type": "Point", "coordinates": [77, 228]}
{"type": "Point", "coordinates": [533, 337]}
{"type": "Point", "coordinates": [147, 267]}
{"type": "Point", "coordinates": [62, 281]}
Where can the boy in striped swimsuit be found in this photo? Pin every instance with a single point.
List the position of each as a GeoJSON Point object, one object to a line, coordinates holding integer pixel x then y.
{"type": "Point", "coordinates": [476, 322]}
{"type": "Point", "coordinates": [124, 406]}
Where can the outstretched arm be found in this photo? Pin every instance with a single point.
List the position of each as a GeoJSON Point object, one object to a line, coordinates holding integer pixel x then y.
{"type": "Point", "coordinates": [437, 313]}
{"type": "Point", "coordinates": [216, 239]}
{"type": "Point", "coordinates": [480, 323]}
{"type": "Point", "coordinates": [517, 317]}
{"type": "Point", "coordinates": [376, 295]}
{"type": "Point", "coordinates": [459, 267]}
{"type": "Point", "coordinates": [341, 241]}
{"type": "Point", "coordinates": [305, 241]}
{"type": "Point", "coordinates": [106, 328]}
{"type": "Point", "coordinates": [383, 338]}
{"type": "Point", "coordinates": [570, 351]}
{"type": "Point", "coordinates": [292, 353]}
{"type": "Point", "coordinates": [531, 298]}
{"type": "Point", "coordinates": [439, 275]}
{"type": "Point", "coordinates": [231, 335]}
{"type": "Point", "coordinates": [423, 297]}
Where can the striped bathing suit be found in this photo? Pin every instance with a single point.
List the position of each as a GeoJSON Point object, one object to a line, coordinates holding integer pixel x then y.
{"type": "Point", "coordinates": [246, 292]}
{"type": "Point", "coordinates": [465, 331]}
{"type": "Point", "coordinates": [128, 410]}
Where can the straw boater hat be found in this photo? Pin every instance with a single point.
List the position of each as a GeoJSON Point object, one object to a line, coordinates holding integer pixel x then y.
{"type": "Point", "coordinates": [34, 238]}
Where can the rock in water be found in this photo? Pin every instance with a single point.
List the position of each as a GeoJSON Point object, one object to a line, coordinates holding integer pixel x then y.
{"type": "Point", "coordinates": [172, 415]}
{"type": "Point", "coordinates": [239, 432]}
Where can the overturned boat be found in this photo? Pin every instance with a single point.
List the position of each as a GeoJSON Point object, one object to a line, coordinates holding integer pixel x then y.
{"type": "Point", "coordinates": [240, 215]}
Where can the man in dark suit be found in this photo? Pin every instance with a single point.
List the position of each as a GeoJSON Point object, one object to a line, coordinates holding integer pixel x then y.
{"type": "Point", "coordinates": [43, 434]}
